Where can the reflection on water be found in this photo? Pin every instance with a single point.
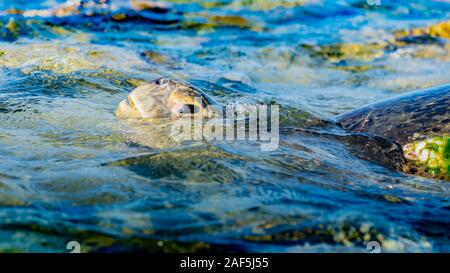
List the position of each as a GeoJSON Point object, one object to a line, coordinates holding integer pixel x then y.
{"type": "Point", "coordinates": [70, 170]}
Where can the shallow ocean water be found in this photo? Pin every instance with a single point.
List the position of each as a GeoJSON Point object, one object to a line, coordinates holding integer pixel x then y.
{"type": "Point", "coordinates": [70, 170]}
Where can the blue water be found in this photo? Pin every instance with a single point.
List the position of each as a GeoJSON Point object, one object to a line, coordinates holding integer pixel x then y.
{"type": "Point", "coordinates": [70, 170]}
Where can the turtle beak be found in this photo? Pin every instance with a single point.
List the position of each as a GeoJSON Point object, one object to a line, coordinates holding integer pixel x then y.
{"type": "Point", "coordinates": [126, 109]}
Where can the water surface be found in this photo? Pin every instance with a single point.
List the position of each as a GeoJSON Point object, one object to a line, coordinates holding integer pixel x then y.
{"type": "Point", "coordinates": [70, 170]}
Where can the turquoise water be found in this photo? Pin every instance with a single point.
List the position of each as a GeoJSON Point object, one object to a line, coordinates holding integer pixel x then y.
{"type": "Point", "coordinates": [70, 170]}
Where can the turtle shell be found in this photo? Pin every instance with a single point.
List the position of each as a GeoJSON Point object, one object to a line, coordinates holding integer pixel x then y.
{"type": "Point", "coordinates": [418, 121]}
{"type": "Point", "coordinates": [406, 118]}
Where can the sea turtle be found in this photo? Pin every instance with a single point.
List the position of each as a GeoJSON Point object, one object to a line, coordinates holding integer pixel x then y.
{"type": "Point", "coordinates": [165, 98]}
{"type": "Point", "coordinates": [410, 132]}
{"type": "Point", "coordinates": [153, 108]}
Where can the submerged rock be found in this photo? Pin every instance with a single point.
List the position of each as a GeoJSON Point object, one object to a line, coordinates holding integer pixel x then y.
{"type": "Point", "coordinates": [338, 52]}
{"type": "Point", "coordinates": [440, 30]}
{"type": "Point", "coordinates": [66, 58]}
{"type": "Point", "coordinates": [268, 5]}
{"type": "Point", "coordinates": [207, 22]}
{"type": "Point", "coordinates": [425, 42]}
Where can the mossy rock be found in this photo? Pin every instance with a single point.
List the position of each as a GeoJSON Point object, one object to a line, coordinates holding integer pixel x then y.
{"type": "Point", "coordinates": [347, 52]}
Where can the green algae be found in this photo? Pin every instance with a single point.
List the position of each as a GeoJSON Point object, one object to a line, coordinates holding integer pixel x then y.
{"type": "Point", "coordinates": [439, 30]}
{"type": "Point", "coordinates": [338, 52]}
{"type": "Point", "coordinates": [207, 22]}
{"type": "Point", "coordinates": [432, 154]}
{"type": "Point", "coordinates": [11, 30]}
{"type": "Point", "coordinates": [155, 56]}
{"type": "Point", "coordinates": [12, 27]}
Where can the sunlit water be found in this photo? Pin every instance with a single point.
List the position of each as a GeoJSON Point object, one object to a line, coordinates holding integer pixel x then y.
{"type": "Point", "coordinates": [70, 170]}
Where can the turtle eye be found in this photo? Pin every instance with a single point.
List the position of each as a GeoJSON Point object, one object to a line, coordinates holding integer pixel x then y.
{"type": "Point", "coordinates": [161, 81]}
{"type": "Point", "coordinates": [188, 109]}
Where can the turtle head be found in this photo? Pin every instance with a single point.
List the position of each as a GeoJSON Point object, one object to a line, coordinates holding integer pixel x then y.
{"type": "Point", "coordinates": [166, 98]}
